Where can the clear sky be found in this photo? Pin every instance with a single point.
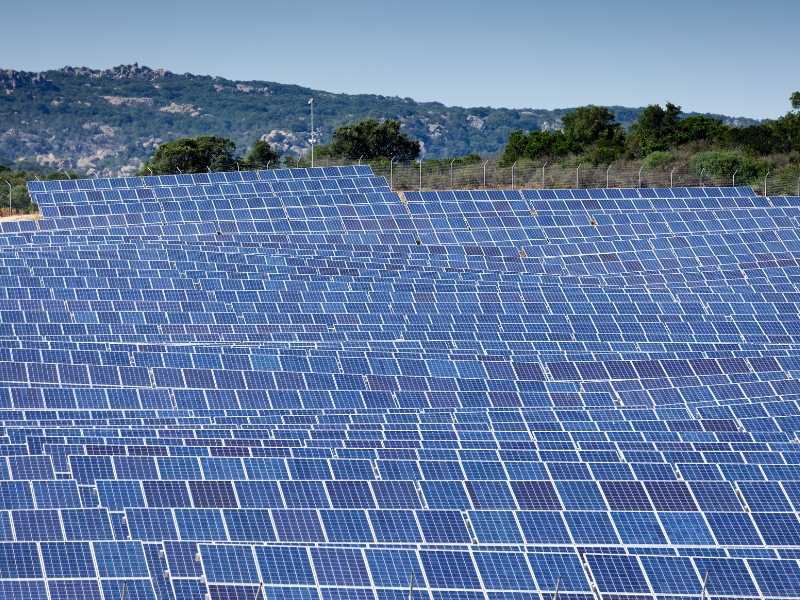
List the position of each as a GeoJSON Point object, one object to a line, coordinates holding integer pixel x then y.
{"type": "Point", "coordinates": [731, 57]}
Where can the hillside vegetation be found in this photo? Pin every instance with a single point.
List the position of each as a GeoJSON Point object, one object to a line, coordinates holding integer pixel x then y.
{"type": "Point", "coordinates": [109, 122]}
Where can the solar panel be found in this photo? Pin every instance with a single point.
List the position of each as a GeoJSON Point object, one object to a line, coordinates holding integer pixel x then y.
{"type": "Point", "coordinates": [198, 365]}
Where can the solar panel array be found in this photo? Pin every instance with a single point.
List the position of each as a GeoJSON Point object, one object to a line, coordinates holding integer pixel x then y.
{"type": "Point", "coordinates": [299, 385]}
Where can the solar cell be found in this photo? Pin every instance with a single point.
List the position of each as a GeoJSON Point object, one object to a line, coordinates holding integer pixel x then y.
{"type": "Point", "coordinates": [292, 359]}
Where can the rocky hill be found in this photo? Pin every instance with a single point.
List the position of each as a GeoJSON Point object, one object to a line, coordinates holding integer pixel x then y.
{"type": "Point", "coordinates": [108, 122]}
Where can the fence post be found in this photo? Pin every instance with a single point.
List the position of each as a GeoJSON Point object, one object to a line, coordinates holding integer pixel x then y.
{"type": "Point", "coordinates": [512, 174]}
{"type": "Point", "coordinates": [765, 184]}
{"type": "Point", "coordinates": [670, 176]}
{"type": "Point", "coordinates": [577, 176]}
{"type": "Point", "coordinates": [543, 166]}
{"type": "Point", "coordinates": [733, 183]}
{"type": "Point", "coordinates": [607, 170]}
{"type": "Point", "coordinates": [451, 173]}
{"type": "Point", "coordinates": [640, 176]}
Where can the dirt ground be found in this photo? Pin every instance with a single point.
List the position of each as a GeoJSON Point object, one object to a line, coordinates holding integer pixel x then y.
{"type": "Point", "coordinates": [30, 217]}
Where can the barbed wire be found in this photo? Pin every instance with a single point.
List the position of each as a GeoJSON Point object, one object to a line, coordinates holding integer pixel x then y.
{"type": "Point", "coordinates": [489, 174]}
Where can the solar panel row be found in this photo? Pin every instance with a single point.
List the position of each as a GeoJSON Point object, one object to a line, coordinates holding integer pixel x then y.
{"type": "Point", "coordinates": [300, 385]}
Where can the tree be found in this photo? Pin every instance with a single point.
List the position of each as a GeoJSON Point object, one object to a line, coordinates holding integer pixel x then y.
{"type": "Point", "coordinates": [795, 100]}
{"type": "Point", "coordinates": [589, 125]}
{"type": "Point", "coordinates": [592, 131]}
{"type": "Point", "coordinates": [192, 155]}
{"type": "Point", "coordinates": [370, 139]}
{"type": "Point", "coordinates": [655, 128]}
{"type": "Point", "coordinates": [261, 156]}
{"type": "Point", "coordinates": [535, 145]}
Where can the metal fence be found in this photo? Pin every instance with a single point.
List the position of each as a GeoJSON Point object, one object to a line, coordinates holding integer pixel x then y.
{"type": "Point", "coordinates": [489, 174]}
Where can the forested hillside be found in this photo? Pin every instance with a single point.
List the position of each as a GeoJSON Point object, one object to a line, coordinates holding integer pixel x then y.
{"type": "Point", "coordinates": [109, 122]}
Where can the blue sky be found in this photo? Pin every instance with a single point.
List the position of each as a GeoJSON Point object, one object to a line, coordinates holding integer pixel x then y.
{"type": "Point", "coordinates": [733, 57]}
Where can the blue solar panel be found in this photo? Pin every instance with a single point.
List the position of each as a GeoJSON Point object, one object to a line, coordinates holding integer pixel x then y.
{"type": "Point", "coordinates": [304, 357]}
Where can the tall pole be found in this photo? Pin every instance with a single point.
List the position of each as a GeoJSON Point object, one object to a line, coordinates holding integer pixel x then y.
{"type": "Point", "coordinates": [640, 176]}
{"type": "Point", "coordinates": [765, 184]}
{"type": "Point", "coordinates": [733, 183]}
{"type": "Point", "coordinates": [705, 582]}
{"type": "Point", "coordinates": [484, 174]}
{"type": "Point", "coordinates": [311, 102]}
{"type": "Point", "coordinates": [670, 176]}
{"type": "Point", "coordinates": [543, 166]}
{"type": "Point", "coordinates": [578, 177]}
{"type": "Point", "coordinates": [451, 173]}
{"type": "Point", "coordinates": [512, 174]}
{"type": "Point", "coordinates": [607, 170]}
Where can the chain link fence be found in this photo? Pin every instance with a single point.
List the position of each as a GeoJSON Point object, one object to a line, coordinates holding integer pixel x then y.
{"type": "Point", "coordinates": [489, 174]}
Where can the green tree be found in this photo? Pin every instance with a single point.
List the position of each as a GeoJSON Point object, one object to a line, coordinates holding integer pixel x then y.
{"type": "Point", "coordinates": [795, 100]}
{"type": "Point", "coordinates": [534, 145]}
{"type": "Point", "coordinates": [655, 127]}
{"type": "Point", "coordinates": [192, 155]}
{"type": "Point", "coordinates": [261, 156]}
{"type": "Point", "coordinates": [370, 140]}
{"type": "Point", "coordinates": [592, 131]}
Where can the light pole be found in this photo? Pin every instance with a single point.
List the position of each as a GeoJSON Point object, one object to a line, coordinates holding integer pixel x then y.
{"type": "Point", "coordinates": [9, 197]}
{"type": "Point", "coordinates": [607, 170]}
{"type": "Point", "coordinates": [578, 176]}
{"type": "Point", "coordinates": [484, 174]}
{"type": "Point", "coordinates": [765, 184]}
{"type": "Point", "coordinates": [512, 174]}
{"type": "Point", "coordinates": [543, 166]}
{"type": "Point", "coordinates": [640, 176]}
{"type": "Point", "coordinates": [701, 176]}
{"type": "Point", "coordinates": [451, 173]}
{"type": "Point", "coordinates": [311, 102]}
{"type": "Point", "coordinates": [670, 176]}
{"type": "Point", "coordinates": [733, 183]}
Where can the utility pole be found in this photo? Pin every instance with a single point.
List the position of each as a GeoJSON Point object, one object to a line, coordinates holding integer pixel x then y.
{"type": "Point", "coordinates": [311, 102]}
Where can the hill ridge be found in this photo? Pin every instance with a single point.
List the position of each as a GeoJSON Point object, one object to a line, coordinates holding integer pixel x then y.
{"type": "Point", "coordinates": [106, 122]}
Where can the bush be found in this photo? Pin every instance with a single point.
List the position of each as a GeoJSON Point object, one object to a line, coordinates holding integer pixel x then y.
{"type": "Point", "coordinates": [657, 159]}
{"type": "Point", "coordinates": [725, 163]}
